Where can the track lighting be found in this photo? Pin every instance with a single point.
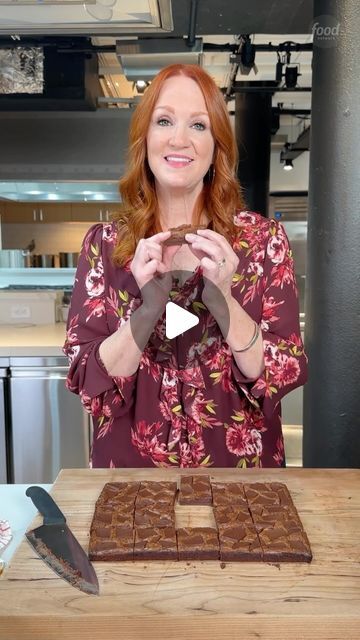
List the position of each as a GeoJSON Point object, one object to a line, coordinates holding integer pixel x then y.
{"type": "Point", "coordinates": [288, 165]}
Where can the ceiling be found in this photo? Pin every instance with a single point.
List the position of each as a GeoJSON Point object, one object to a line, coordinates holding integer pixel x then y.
{"type": "Point", "coordinates": [218, 22]}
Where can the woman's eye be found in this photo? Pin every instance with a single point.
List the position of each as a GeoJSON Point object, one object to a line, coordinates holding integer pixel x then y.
{"type": "Point", "coordinates": [199, 126]}
{"type": "Point", "coordinates": [163, 122]}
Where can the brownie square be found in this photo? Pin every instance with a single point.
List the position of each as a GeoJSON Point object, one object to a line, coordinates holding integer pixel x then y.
{"type": "Point", "coordinates": [281, 546]}
{"type": "Point", "coordinates": [261, 493]}
{"type": "Point", "coordinates": [200, 543]}
{"type": "Point", "coordinates": [156, 492]}
{"type": "Point", "coordinates": [155, 543]}
{"type": "Point", "coordinates": [114, 493]}
{"type": "Point", "coordinates": [229, 515]}
{"type": "Point", "coordinates": [117, 545]}
{"type": "Point", "coordinates": [239, 542]}
{"type": "Point", "coordinates": [231, 493]}
{"type": "Point", "coordinates": [195, 490]}
{"type": "Point", "coordinates": [154, 516]}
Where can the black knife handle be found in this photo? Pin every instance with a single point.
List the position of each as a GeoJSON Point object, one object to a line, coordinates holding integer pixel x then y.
{"type": "Point", "coordinates": [46, 505]}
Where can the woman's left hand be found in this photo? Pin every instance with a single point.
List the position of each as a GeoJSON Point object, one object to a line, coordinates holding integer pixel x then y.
{"type": "Point", "coordinates": [217, 259]}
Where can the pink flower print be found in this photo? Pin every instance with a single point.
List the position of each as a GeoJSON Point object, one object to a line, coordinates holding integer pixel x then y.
{"type": "Point", "coordinates": [242, 441]}
{"type": "Point", "coordinates": [276, 249]}
{"type": "Point", "coordinates": [94, 281]}
{"type": "Point", "coordinates": [288, 371]}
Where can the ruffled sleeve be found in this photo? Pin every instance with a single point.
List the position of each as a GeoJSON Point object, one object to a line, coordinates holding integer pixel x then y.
{"type": "Point", "coordinates": [87, 326]}
{"type": "Point", "coordinates": [285, 360]}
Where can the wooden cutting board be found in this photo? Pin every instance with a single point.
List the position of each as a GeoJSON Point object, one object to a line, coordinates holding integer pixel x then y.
{"type": "Point", "coordinates": [202, 600]}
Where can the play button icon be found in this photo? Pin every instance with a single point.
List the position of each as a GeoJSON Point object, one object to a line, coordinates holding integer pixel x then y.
{"type": "Point", "coordinates": [178, 320]}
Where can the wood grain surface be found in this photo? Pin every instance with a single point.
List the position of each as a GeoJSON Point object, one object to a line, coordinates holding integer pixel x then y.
{"type": "Point", "coordinates": [202, 600]}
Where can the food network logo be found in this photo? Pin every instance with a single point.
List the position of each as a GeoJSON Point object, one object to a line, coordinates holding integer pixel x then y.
{"type": "Point", "coordinates": [325, 30]}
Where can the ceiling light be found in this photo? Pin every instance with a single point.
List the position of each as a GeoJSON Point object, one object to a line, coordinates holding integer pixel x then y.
{"type": "Point", "coordinates": [291, 76]}
{"type": "Point", "coordinates": [288, 166]}
{"type": "Point", "coordinates": [141, 85]}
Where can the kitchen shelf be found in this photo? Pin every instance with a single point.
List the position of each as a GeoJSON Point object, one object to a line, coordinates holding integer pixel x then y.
{"type": "Point", "coordinates": [37, 276]}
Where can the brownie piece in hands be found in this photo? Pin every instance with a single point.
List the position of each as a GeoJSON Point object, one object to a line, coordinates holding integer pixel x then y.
{"type": "Point", "coordinates": [111, 543]}
{"type": "Point", "coordinates": [155, 543]}
{"type": "Point", "coordinates": [178, 233]}
{"type": "Point", "coordinates": [200, 543]}
{"type": "Point", "coordinates": [240, 542]}
{"type": "Point", "coordinates": [195, 490]}
{"type": "Point", "coordinates": [231, 493]}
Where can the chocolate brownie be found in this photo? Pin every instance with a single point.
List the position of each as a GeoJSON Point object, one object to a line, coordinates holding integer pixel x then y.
{"type": "Point", "coordinates": [155, 543]}
{"type": "Point", "coordinates": [225, 493]}
{"type": "Point", "coordinates": [200, 543]}
{"type": "Point", "coordinates": [240, 542]}
{"type": "Point", "coordinates": [158, 493]}
{"type": "Point", "coordinates": [111, 543]}
{"type": "Point", "coordinates": [195, 490]}
{"type": "Point", "coordinates": [154, 516]}
{"type": "Point", "coordinates": [229, 515]}
{"type": "Point", "coordinates": [178, 233]}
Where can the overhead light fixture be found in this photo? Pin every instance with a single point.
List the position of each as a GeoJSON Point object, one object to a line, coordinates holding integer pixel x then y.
{"type": "Point", "coordinates": [142, 59]}
{"type": "Point", "coordinates": [291, 76]}
{"type": "Point", "coordinates": [247, 56]}
{"type": "Point", "coordinates": [288, 166]}
{"type": "Point", "coordinates": [141, 85]}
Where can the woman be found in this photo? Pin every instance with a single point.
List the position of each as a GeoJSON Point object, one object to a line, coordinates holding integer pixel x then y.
{"type": "Point", "coordinates": [212, 395]}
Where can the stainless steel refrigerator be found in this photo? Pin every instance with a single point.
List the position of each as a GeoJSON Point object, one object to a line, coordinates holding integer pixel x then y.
{"type": "Point", "coordinates": [49, 428]}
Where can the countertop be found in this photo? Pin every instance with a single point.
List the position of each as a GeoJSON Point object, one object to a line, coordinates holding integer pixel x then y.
{"type": "Point", "coordinates": [32, 340]}
{"type": "Point", "coordinates": [170, 600]}
{"type": "Point", "coordinates": [19, 510]}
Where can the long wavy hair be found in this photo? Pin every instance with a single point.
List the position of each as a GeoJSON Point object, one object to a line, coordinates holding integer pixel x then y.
{"type": "Point", "coordinates": [138, 215]}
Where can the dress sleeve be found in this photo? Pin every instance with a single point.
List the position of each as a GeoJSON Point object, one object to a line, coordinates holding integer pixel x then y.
{"type": "Point", "coordinates": [87, 326]}
{"type": "Point", "coordinates": [285, 360]}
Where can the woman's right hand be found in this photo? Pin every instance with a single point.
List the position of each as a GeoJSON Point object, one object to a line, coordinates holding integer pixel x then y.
{"type": "Point", "coordinates": [151, 268]}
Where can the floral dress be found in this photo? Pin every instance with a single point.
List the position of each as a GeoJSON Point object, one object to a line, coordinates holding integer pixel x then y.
{"type": "Point", "coordinates": [188, 404]}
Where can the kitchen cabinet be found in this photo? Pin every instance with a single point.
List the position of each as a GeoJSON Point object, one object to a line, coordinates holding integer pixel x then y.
{"type": "Point", "coordinates": [26, 212]}
{"type": "Point", "coordinates": [92, 212]}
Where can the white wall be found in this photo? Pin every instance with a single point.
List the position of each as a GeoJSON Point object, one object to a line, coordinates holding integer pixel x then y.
{"type": "Point", "coordinates": [295, 180]}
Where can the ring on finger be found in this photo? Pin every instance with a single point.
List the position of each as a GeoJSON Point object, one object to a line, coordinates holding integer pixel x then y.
{"type": "Point", "coordinates": [221, 263]}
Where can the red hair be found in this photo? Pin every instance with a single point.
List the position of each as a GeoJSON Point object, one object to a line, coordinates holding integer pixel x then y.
{"type": "Point", "coordinates": [221, 196]}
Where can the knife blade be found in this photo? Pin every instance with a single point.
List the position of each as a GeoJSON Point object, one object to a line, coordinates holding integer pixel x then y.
{"type": "Point", "coordinates": [58, 547]}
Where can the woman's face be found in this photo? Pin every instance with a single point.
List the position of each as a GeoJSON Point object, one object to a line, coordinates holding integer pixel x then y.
{"type": "Point", "coordinates": [180, 144]}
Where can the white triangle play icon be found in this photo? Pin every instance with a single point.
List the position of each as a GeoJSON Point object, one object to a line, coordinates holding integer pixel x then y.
{"type": "Point", "coordinates": [178, 320]}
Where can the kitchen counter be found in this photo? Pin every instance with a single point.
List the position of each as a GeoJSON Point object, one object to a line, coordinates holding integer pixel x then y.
{"type": "Point", "coordinates": [180, 600]}
{"type": "Point", "coordinates": [32, 340]}
{"type": "Point", "coordinates": [19, 510]}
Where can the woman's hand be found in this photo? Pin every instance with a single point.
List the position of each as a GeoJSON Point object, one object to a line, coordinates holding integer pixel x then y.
{"type": "Point", "coordinates": [151, 268]}
{"type": "Point", "coordinates": [217, 259]}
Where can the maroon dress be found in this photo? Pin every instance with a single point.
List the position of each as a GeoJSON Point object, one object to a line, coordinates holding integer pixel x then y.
{"type": "Point", "coordinates": [188, 404]}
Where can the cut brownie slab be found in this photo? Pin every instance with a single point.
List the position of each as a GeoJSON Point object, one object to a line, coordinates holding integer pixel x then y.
{"type": "Point", "coordinates": [195, 490]}
{"type": "Point", "coordinates": [155, 543]}
{"type": "Point", "coordinates": [200, 543]}
{"type": "Point", "coordinates": [178, 233]}
{"type": "Point", "coordinates": [229, 515]}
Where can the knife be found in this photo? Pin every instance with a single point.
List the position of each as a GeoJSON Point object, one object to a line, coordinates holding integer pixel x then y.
{"type": "Point", "coordinates": [55, 544]}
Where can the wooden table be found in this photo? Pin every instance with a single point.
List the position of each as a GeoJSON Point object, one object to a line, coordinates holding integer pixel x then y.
{"type": "Point", "coordinates": [202, 600]}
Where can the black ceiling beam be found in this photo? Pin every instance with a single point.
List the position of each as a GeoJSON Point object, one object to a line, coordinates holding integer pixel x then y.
{"type": "Point", "coordinates": [265, 86]}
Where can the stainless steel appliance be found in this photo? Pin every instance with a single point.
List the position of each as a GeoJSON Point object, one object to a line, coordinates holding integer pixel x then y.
{"type": "Point", "coordinates": [68, 259]}
{"type": "Point", "coordinates": [14, 258]}
{"type": "Point", "coordinates": [4, 364]}
{"type": "Point", "coordinates": [50, 429]}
